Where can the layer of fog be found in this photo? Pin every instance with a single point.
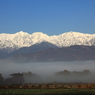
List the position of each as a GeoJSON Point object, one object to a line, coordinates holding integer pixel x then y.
{"type": "Point", "coordinates": [46, 69]}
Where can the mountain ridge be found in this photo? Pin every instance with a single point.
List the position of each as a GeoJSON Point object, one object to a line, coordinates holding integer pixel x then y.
{"type": "Point", "coordinates": [34, 48]}
{"type": "Point", "coordinates": [21, 39]}
{"type": "Point", "coordinates": [71, 53]}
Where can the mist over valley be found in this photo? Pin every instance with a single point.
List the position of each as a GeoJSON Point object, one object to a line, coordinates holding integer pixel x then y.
{"type": "Point", "coordinates": [45, 72]}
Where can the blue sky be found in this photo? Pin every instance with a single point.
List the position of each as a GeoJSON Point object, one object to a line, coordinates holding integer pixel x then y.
{"type": "Point", "coordinates": [52, 17]}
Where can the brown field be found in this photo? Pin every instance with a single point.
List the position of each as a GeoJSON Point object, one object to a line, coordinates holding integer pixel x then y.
{"type": "Point", "coordinates": [51, 86]}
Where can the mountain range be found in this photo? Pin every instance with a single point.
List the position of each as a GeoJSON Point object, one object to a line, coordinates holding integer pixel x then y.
{"type": "Point", "coordinates": [38, 46]}
{"type": "Point", "coordinates": [71, 53]}
{"type": "Point", "coordinates": [11, 42]}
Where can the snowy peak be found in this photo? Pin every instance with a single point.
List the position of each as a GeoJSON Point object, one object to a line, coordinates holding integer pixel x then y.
{"type": "Point", "coordinates": [21, 33]}
{"type": "Point", "coordinates": [76, 38]}
{"type": "Point", "coordinates": [38, 33]}
{"type": "Point", "coordinates": [39, 37]}
{"type": "Point", "coordinates": [76, 34]}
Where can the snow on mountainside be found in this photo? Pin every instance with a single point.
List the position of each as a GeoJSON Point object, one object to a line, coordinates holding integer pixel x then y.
{"type": "Point", "coordinates": [23, 39]}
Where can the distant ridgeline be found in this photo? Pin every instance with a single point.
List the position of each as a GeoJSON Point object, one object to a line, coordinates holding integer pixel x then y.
{"type": "Point", "coordinates": [72, 53]}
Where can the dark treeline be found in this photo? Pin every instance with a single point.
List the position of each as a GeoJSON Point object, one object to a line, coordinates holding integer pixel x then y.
{"type": "Point", "coordinates": [62, 76]}
{"type": "Point", "coordinates": [18, 78]}
{"type": "Point", "coordinates": [66, 72]}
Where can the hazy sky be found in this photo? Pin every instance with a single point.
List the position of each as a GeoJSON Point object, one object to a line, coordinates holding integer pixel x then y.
{"type": "Point", "coordinates": [52, 17]}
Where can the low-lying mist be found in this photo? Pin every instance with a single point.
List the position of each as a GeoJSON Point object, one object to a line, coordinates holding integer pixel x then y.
{"type": "Point", "coordinates": [47, 69]}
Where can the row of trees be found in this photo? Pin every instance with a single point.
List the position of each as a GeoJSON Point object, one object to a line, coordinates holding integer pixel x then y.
{"type": "Point", "coordinates": [62, 76]}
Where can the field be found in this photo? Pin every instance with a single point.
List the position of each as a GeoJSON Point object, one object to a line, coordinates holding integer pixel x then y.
{"type": "Point", "coordinates": [47, 91]}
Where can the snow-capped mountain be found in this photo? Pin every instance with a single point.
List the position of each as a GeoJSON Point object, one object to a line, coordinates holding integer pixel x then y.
{"type": "Point", "coordinates": [23, 39]}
